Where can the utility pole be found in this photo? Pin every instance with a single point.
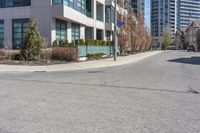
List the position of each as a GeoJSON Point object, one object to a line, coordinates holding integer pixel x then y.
{"type": "Point", "coordinates": [115, 33]}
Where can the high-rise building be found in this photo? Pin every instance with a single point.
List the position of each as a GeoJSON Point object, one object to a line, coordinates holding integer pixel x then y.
{"type": "Point", "coordinates": [57, 19]}
{"type": "Point", "coordinates": [169, 15]}
{"type": "Point", "coordinates": [187, 10]}
{"type": "Point", "coordinates": [163, 17]}
{"type": "Point", "coordinates": [138, 6]}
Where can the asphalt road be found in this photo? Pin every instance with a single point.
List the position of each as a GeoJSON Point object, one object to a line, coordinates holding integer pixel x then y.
{"type": "Point", "coordinates": [156, 95]}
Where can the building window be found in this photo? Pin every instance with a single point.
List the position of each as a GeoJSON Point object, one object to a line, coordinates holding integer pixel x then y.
{"type": "Point", "coordinates": [99, 34]}
{"type": "Point", "coordinates": [108, 35]}
{"type": "Point", "coordinates": [14, 3]}
{"type": "Point", "coordinates": [20, 29]}
{"type": "Point", "coordinates": [61, 30]}
{"type": "Point", "coordinates": [110, 14]}
{"type": "Point", "coordinates": [1, 33]}
{"type": "Point", "coordinates": [75, 31]}
{"type": "Point", "coordinates": [79, 5]}
{"type": "Point", "coordinates": [57, 2]}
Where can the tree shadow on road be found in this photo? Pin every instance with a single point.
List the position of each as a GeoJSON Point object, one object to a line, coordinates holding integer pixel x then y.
{"type": "Point", "coordinates": [195, 60]}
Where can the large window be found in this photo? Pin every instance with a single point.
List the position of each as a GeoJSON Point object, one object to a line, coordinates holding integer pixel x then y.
{"type": "Point", "coordinates": [57, 1]}
{"type": "Point", "coordinates": [110, 14]}
{"type": "Point", "coordinates": [14, 3]}
{"type": "Point", "coordinates": [75, 31]}
{"type": "Point", "coordinates": [20, 29]}
{"type": "Point", "coordinates": [1, 33]}
{"type": "Point", "coordinates": [61, 30]}
{"type": "Point", "coordinates": [79, 5]}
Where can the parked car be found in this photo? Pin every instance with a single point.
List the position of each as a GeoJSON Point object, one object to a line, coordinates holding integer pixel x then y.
{"type": "Point", "coordinates": [191, 48]}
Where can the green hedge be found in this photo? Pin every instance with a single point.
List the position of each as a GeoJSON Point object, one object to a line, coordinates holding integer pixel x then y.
{"type": "Point", "coordinates": [95, 56]}
{"type": "Point", "coordinates": [61, 43]}
{"type": "Point", "coordinates": [92, 42]}
{"type": "Point", "coordinates": [98, 42]}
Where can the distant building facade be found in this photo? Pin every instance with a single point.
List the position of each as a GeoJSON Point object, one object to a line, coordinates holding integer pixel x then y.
{"type": "Point", "coordinates": [163, 15]}
{"type": "Point", "coordinates": [174, 14]}
{"type": "Point", "coordinates": [138, 6]}
{"type": "Point", "coordinates": [193, 34]}
{"type": "Point", "coordinates": [187, 10]}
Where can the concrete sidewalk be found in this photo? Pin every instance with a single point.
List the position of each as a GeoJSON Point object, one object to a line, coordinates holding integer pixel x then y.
{"type": "Point", "coordinates": [79, 65]}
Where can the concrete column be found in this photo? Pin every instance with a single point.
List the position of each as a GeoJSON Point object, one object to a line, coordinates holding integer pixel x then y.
{"type": "Point", "coordinates": [104, 35]}
{"type": "Point", "coordinates": [8, 30]}
{"type": "Point", "coordinates": [82, 32]}
{"type": "Point", "coordinates": [104, 20]}
{"type": "Point", "coordinates": [104, 13]}
{"type": "Point", "coordinates": [94, 33]}
{"type": "Point", "coordinates": [53, 30]}
{"type": "Point", "coordinates": [94, 9]}
{"type": "Point", "coordinates": [69, 31]}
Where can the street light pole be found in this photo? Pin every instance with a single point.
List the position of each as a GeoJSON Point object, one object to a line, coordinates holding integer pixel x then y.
{"type": "Point", "coordinates": [115, 33]}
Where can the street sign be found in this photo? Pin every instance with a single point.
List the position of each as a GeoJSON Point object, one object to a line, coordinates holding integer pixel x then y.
{"type": "Point", "coordinates": [120, 23]}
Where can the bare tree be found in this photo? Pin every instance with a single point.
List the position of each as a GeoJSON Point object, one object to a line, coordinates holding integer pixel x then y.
{"type": "Point", "coordinates": [8, 46]}
{"type": "Point", "coordinates": [132, 29]}
{"type": "Point", "coordinates": [123, 37]}
{"type": "Point", "coordinates": [136, 34]}
{"type": "Point", "coordinates": [47, 52]}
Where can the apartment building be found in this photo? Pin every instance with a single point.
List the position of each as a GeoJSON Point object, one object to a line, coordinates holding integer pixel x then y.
{"type": "Point", "coordinates": [187, 11]}
{"type": "Point", "coordinates": [57, 19]}
{"type": "Point", "coordinates": [138, 6]}
{"type": "Point", "coordinates": [172, 15]}
{"type": "Point", "coordinates": [163, 18]}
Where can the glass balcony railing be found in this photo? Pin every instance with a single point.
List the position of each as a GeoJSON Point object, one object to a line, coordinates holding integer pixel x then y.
{"type": "Point", "coordinates": [89, 14]}
{"type": "Point", "coordinates": [100, 18]}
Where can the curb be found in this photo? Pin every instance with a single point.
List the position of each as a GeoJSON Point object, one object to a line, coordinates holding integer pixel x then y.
{"type": "Point", "coordinates": [79, 65]}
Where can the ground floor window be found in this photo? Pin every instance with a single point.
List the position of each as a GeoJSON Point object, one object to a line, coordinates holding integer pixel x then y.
{"type": "Point", "coordinates": [99, 35]}
{"type": "Point", "coordinates": [61, 30]}
{"type": "Point", "coordinates": [75, 31]}
{"type": "Point", "coordinates": [1, 33]}
{"type": "Point", "coordinates": [108, 35]}
{"type": "Point", "coordinates": [20, 29]}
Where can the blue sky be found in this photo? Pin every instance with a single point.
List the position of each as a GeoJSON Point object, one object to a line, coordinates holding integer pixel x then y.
{"type": "Point", "coordinates": [147, 13]}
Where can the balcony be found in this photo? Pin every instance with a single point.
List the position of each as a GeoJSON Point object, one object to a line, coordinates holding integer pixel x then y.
{"type": "Point", "coordinates": [99, 12]}
{"type": "Point", "coordinates": [64, 12]}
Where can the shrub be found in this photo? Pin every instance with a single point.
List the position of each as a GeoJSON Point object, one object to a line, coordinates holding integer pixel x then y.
{"type": "Point", "coordinates": [54, 43]}
{"type": "Point", "coordinates": [33, 42]}
{"type": "Point", "coordinates": [16, 56]}
{"type": "Point", "coordinates": [95, 56]}
{"type": "Point", "coordinates": [65, 53]}
{"type": "Point", "coordinates": [109, 43]}
{"type": "Point", "coordinates": [79, 42]}
{"type": "Point", "coordinates": [66, 43]}
{"type": "Point", "coordinates": [89, 42]}
{"type": "Point", "coordinates": [103, 43]}
{"type": "Point", "coordinates": [2, 53]}
{"type": "Point", "coordinates": [96, 42]}
{"type": "Point", "coordinates": [46, 54]}
{"type": "Point", "coordinates": [61, 43]}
